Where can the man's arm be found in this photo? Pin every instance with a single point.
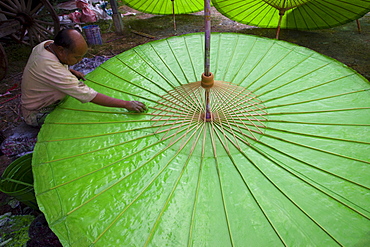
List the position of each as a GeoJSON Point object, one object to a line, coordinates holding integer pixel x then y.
{"type": "Point", "coordinates": [104, 100]}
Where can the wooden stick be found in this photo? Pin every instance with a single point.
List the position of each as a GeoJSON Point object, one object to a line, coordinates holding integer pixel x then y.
{"type": "Point", "coordinates": [143, 34]}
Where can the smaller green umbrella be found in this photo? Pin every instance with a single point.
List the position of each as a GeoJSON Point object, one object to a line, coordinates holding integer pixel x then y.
{"type": "Point", "coordinates": [166, 7]}
{"type": "Point", "coordinates": [293, 14]}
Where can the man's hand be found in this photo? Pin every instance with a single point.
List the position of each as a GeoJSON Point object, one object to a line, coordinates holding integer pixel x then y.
{"type": "Point", "coordinates": [136, 106]}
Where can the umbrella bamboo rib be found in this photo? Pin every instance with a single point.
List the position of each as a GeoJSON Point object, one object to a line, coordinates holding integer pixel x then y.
{"type": "Point", "coordinates": [337, 7]}
{"type": "Point", "coordinates": [191, 228]}
{"type": "Point", "coordinates": [286, 72]}
{"type": "Point", "coordinates": [95, 135]}
{"type": "Point", "coordinates": [228, 96]}
{"type": "Point", "coordinates": [316, 167]}
{"type": "Point", "coordinates": [190, 57]}
{"type": "Point", "coordinates": [177, 60]}
{"type": "Point", "coordinates": [316, 136]}
{"type": "Point", "coordinates": [142, 191]}
{"type": "Point", "coordinates": [338, 10]}
{"type": "Point", "coordinates": [132, 140]}
{"type": "Point", "coordinates": [290, 156]}
{"type": "Point", "coordinates": [303, 89]}
{"type": "Point", "coordinates": [108, 122]}
{"type": "Point", "coordinates": [274, 66]}
{"type": "Point", "coordinates": [106, 166]}
{"type": "Point", "coordinates": [257, 63]}
{"type": "Point", "coordinates": [316, 99]}
{"type": "Point", "coordinates": [214, 150]}
{"type": "Point", "coordinates": [315, 123]}
{"type": "Point", "coordinates": [310, 17]}
{"type": "Point", "coordinates": [292, 201]}
{"type": "Point", "coordinates": [176, 107]}
{"type": "Point", "coordinates": [245, 125]}
{"type": "Point", "coordinates": [125, 92]}
{"type": "Point", "coordinates": [225, 145]}
{"type": "Point", "coordinates": [117, 144]}
{"type": "Point", "coordinates": [181, 110]}
{"type": "Point", "coordinates": [142, 75]}
{"type": "Point", "coordinates": [291, 81]}
{"type": "Point", "coordinates": [139, 96]}
{"type": "Point", "coordinates": [243, 62]}
{"type": "Point", "coordinates": [320, 150]}
{"type": "Point", "coordinates": [256, 6]}
{"type": "Point", "coordinates": [326, 13]}
{"type": "Point", "coordinates": [217, 54]}
{"type": "Point", "coordinates": [312, 183]}
{"type": "Point", "coordinates": [310, 147]}
{"type": "Point", "coordinates": [186, 96]}
{"type": "Point", "coordinates": [180, 130]}
{"type": "Point", "coordinates": [152, 65]}
{"type": "Point", "coordinates": [81, 154]}
{"type": "Point", "coordinates": [133, 3]}
{"type": "Point", "coordinates": [252, 194]}
{"type": "Point", "coordinates": [238, 101]}
{"type": "Point", "coordinates": [320, 17]}
{"type": "Point", "coordinates": [263, 10]}
{"type": "Point", "coordinates": [269, 12]}
{"type": "Point", "coordinates": [174, 187]}
{"type": "Point", "coordinates": [230, 57]}
{"type": "Point", "coordinates": [319, 111]}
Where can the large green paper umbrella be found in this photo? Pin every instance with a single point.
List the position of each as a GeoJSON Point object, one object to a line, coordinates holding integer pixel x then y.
{"type": "Point", "coordinates": [284, 161]}
{"type": "Point", "coordinates": [293, 14]}
{"type": "Point", "coordinates": [166, 7]}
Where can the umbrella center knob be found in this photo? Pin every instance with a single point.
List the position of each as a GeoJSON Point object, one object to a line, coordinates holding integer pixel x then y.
{"type": "Point", "coordinates": [207, 81]}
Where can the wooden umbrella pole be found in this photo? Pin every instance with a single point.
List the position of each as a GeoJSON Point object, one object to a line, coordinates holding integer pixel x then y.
{"type": "Point", "coordinates": [358, 26]}
{"type": "Point", "coordinates": [173, 14]}
{"type": "Point", "coordinates": [281, 14]}
{"type": "Point", "coordinates": [207, 77]}
{"type": "Point", "coordinates": [207, 25]}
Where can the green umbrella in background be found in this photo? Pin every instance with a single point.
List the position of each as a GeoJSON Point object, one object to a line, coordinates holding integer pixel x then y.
{"type": "Point", "coordinates": [166, 7]}
{"type": "Point", "coordinates": [284, 161]}
{"type": "Point", "coordinates": [293, 14]}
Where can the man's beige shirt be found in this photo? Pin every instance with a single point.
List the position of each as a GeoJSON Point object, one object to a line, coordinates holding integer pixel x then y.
{"type": "Point", "coordinates": [46, 80]}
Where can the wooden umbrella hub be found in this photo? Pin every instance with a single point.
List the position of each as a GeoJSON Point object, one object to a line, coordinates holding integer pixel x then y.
{"type": "Point", "coordinates": [227, 104]}
{"type": "Point", "coordinates": [207, 81]}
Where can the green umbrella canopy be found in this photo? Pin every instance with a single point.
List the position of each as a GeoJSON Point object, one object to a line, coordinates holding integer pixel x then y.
{"type": "Point", "coordinates": [166, 7]}
{"type": "Point", "coordinates": [297, 14]}
{"type": "Point", "coordinates": [285, 160]}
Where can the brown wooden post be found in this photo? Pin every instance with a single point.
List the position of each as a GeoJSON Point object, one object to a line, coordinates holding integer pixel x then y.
{"type": "Point", "coordinates": [117, 19]}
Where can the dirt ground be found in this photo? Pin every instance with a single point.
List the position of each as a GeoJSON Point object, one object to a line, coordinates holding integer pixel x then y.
{"type": "Point", "coordinates": [344, 43]}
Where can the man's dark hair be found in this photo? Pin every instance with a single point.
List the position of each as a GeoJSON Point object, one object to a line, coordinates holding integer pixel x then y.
{"type": "Point", "coordinates": [63, 39]}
